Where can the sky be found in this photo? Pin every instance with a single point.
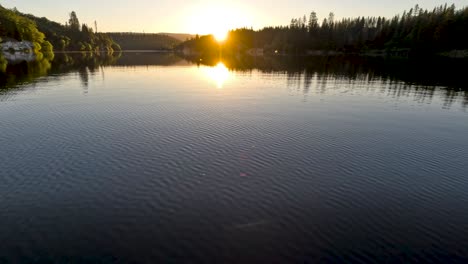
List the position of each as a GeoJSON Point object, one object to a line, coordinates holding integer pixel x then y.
{"type": "Point", "coordinates": [207, 16]}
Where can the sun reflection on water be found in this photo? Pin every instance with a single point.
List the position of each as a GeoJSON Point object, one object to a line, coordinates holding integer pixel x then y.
{"type": "Point", "coordinates": [219, 74]}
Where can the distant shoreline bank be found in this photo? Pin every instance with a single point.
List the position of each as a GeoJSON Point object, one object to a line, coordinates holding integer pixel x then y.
{"type": "Point", "coordinates": [455, 54]}
{"type": "Point", "coordinates": [120, 51]}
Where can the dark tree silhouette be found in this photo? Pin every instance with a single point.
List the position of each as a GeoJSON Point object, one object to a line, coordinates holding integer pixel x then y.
{"type": "Point", "coordinates": [417, 31]}
{"type": "Point", "coordinates": [73, 22]}
{"type": "Point", "coordinates": [144, 41]}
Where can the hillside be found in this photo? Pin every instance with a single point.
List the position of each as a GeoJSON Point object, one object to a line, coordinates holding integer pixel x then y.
{"type": "Point", "coordinates": [49, 35]}
{"type": "Point", "coordinates": [14, 25]}
{"type": "Point", "coordinates": [144, 41]}
{"type": "Point", "coordinates": [74, 36]}
{"type": "Point", "coordinates": [179, 36]}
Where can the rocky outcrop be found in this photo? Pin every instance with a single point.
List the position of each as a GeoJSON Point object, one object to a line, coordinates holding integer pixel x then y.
{"type": "Point", "coordinates": [18, 50]}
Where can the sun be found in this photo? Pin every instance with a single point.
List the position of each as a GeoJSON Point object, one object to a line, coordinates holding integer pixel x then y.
{"type": "Point", "coordinates": [216, 18]}
{"type": "Point", "coordinates": [221, 35]}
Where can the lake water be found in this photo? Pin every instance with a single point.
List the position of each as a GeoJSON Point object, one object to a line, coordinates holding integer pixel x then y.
{"type": "Point", "coordinates": [150, 158]}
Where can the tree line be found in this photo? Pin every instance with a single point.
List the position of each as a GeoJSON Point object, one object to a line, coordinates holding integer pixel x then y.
{"type": "Point", "coordinates": [15, 26]}
{"type": "Point", "coordinates": [144, 41]}
{"type": "Point", "coordinates": [74, 36]}
{"type": "Point", "coordinates": [49, 35]}
{"type": "Point", "coordinates": [417, 30]}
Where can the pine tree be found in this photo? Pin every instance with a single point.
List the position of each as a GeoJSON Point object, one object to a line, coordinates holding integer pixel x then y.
{"type": "Point", "coordinates": [73, 22]}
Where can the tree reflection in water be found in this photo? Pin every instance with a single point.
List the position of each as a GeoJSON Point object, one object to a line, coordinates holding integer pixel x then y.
{"type": "Point", "coordinates": [418, 78]}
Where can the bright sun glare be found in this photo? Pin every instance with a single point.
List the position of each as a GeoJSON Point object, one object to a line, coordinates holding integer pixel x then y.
{"type": "Point", "coordinates": [218, 74]}
{"type": "Point", "coordinates": [221, 35]}
{"type": "Point", "coordinates": [217, 18]}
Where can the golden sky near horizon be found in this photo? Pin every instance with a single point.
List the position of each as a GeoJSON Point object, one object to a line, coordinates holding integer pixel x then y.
{"type": "Point", "coordinates": [207, 16]}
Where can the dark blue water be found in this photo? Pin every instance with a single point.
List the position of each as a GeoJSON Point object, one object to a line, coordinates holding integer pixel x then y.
{"type": "Point", "coordinates": [187, 163]}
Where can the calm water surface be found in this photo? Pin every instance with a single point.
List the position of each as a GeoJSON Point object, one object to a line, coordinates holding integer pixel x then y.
{"type": "Point", "coordinates": [150, 158]}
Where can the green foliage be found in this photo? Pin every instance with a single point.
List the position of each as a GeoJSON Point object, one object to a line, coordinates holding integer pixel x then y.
{"type": "Point", "coordinates": [37, 47]}
{"type": "Point", "coordinates": [18, 27]}
{"type": "Point", "coordinates": [116, 46]}
{"type": "Point", "coordinates": [23, 72]}
{"type": "Point", "coordinates": [73, 36]}
{"type": "Point", "coordinates": [48, 50]}
{"type": "Point", "coordinates": [45, 35]}
{"type": "Point", "coordinates": [142, 41]}
{"type": "Point", "coordinates": [47, 47]}
{"type": "Point", "coordinates": [84, 63]}
{"type": "Point", "coordinates": [3, 63]}
{"type": "Point", "coordinates": [67, 62]}
{"type": "Point", "coordinates": [15, 26]}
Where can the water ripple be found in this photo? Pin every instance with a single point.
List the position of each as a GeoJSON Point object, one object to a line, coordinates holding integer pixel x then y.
{"type": "Point", "coordinates": [175, 170]}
